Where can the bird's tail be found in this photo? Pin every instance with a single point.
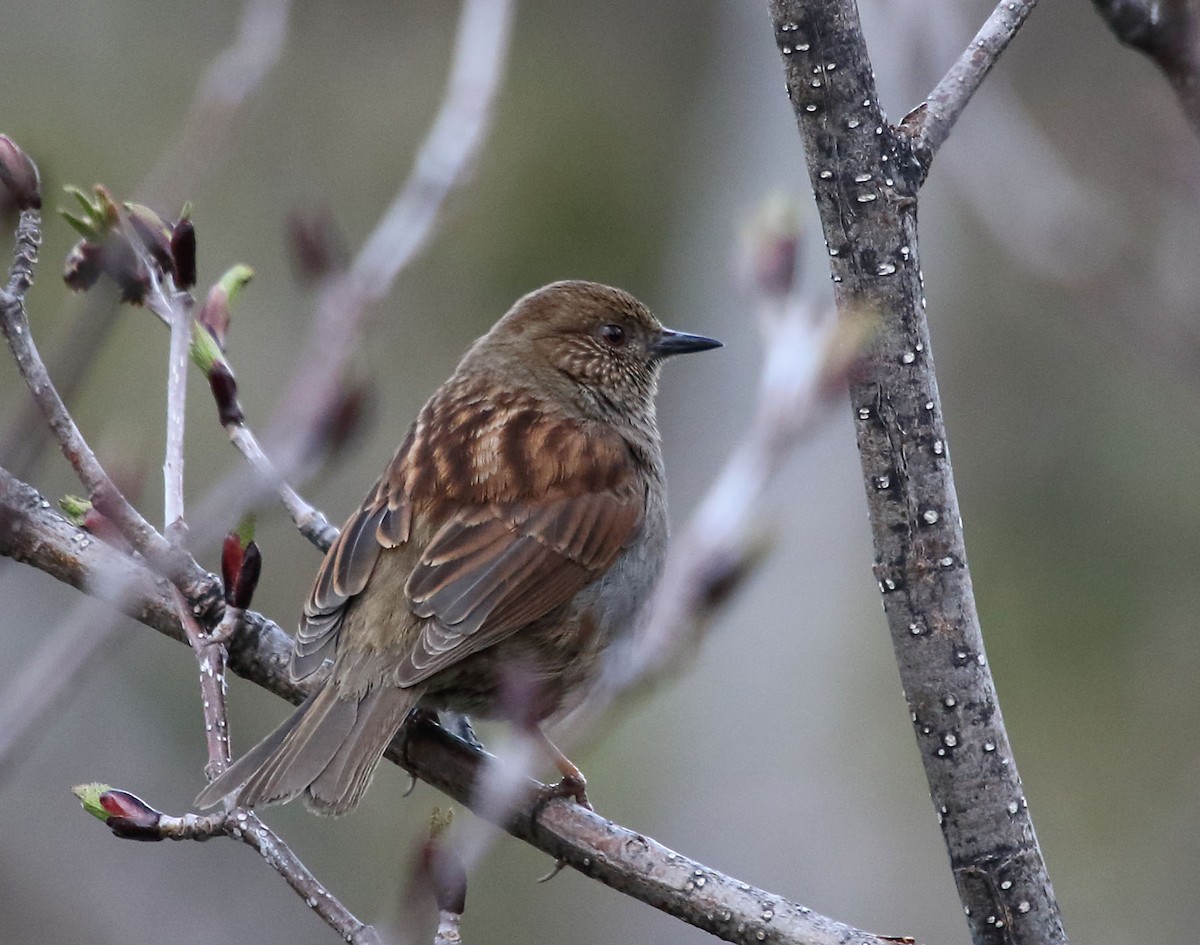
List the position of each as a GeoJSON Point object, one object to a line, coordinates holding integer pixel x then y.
{"type": "Point", "coordinates": [327, 750]}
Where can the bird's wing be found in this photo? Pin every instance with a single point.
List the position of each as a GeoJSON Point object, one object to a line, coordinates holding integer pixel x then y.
{"type": "Point", "coordinates": [557, 505]}
{"type": "Point", "coordinates": [382, 521]}
{"type": "Point", "coordinates": [490, 571]}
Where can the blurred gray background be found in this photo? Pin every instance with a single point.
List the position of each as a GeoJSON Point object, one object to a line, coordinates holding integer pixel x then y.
{"type": "Point", "coordinates": [631, 142]}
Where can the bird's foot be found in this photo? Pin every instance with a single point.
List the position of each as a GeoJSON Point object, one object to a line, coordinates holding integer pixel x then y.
{"type": "Point", "coordinates": [572, 785]}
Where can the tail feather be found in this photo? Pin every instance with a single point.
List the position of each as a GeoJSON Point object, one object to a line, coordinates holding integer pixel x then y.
{"type": "Point", "coordinates": [240, 771]}
{"type": "Point", "coordinates": [327, 749]}
{"type": "Point", "coordinates": [304, 751]}
{"type": "Point", "coordinates": [343, 780]}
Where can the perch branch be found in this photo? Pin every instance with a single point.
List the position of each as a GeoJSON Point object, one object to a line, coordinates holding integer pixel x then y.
{"type": "Point", "coordinates": [623, 859]}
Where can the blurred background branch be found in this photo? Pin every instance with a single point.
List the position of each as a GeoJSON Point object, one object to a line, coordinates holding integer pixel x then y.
{"type": "Point", "coordinates": [1167, 31]}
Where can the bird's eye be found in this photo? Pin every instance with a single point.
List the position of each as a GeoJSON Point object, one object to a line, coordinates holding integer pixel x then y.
{"type": "Point", "coordinates": [613, 335]}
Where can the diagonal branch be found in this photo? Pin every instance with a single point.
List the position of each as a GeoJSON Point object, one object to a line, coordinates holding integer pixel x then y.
{"type": "Point", "coordinates": [930, 122]}
{"type": "Point", "coordinates": [623, 859]}
{"type": "Point", "coordinates": [865, 177]}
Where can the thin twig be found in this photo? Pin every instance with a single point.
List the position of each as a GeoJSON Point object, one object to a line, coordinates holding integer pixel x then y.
{"type": "Point", "coordinates": [930, 122]}
{"type": "Point", "coordinates": [623, 859]}
{"type": "Point", "coordinates": [210, 654]}
{"type": "Point", "coordinates": [200, 587]}
{"type": "Point", "coordinates": [280, 858]}
{"type": "Point", "coordinates": [309, 521]}
{"type": "Point", "coordinates": [177, 311]}
{"type": "Point", "coordinates": [210, 649]}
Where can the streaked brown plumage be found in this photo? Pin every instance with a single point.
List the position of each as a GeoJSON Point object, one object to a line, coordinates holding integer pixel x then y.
{"type": "Point", "coordinates": [514, 535]}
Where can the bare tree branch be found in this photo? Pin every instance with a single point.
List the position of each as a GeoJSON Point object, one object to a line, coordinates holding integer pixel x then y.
{"type": "Point", "coordinates": [930, 122]}
{"type": "Point", "coordinates": [32, 533]}
{"type": "Point", "coordinates": [865, 176]}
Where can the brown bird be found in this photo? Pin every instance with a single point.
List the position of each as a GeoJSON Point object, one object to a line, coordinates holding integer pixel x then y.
{"type": "Point", "coordinates": [513, 537]}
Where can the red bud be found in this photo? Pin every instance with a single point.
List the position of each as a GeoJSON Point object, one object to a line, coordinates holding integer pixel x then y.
{"type": "Point", "coordinates": [224, 391]}
{"type": "Point", "coordinates": [247, 579]}
{"type": "Point", "coordinates": [84, 266]}
{"type": "Point", "coordinates": [231, 564]}
{"type": "Point", "coordinates": [183, 252]}
{"type": "Point", "coordinates": [103, 528]}
{"type": "Point", "coordinates": [19, 176]}
{"type": "Point", "coordinates": [130, 817]}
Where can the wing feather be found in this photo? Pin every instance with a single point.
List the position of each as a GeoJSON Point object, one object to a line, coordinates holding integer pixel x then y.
{"type": "Point", "coordinates": [479, 581]}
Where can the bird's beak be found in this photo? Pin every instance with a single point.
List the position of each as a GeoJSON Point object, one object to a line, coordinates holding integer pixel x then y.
{"type": "Point", "coordinates": [680, 342]}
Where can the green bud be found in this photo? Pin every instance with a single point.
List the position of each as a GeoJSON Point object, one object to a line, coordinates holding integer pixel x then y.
{"type": "Point", "coordinates": [89, 797]}
{"type": "Point", "coordinates": [75, 508]}
{"type": "Point", "coordinates": [245, 529]}
{"type": "Point", "coordinates": [234, 280]}
{"type": "Point", "coordinates": [204, 350]}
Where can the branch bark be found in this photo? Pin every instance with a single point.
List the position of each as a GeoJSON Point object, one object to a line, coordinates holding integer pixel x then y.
{"type": "Point", "coordinates": [865, 174]}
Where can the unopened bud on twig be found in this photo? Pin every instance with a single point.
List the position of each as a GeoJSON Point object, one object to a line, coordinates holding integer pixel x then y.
{"type": "Point", "coordinates": [241, 565]}
{"type": "Point", "coordinates": [83, 514]}
{"type": "Point", "coordinates": [183, 250]}
{"type": "Point", "coordinates": [127, 815]}
{"type": "Point", "coordinates": [204, 350]}
{"type": "Point", "coordinates": [316, 246]}
{"type": "Point", "coordinates": [153, 232]}
{"type": "Point", "coordinates": [19, 176]}
{"type": "Point", "coordinates": [224, 390]}
{"type": "Point", "coordinates": [443, 867]}
{"type": "Point", "coordinates": [217, 309]}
